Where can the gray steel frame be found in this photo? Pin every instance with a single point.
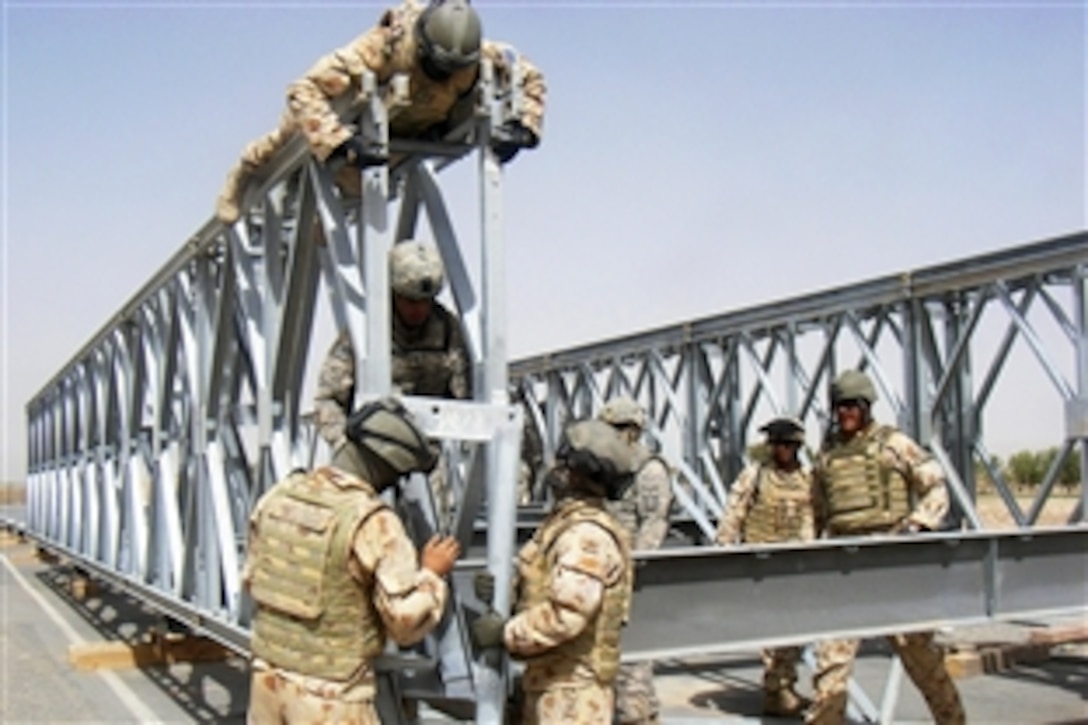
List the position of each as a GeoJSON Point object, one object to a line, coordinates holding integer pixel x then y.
{"type": "Point", "coordinates": [148, 450]}
{"type": "Point", "coordinates": [704, 381]}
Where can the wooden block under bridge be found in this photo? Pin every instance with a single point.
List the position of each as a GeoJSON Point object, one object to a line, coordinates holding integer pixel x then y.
{"type": "Point", "coordinates": [156, 649]}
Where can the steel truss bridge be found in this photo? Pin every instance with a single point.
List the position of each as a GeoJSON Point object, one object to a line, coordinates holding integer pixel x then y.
{"type": "Point", "coordinates": [149, 448]}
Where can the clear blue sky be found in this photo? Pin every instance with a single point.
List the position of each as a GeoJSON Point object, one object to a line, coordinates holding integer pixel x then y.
{"type": "Point", "coordinates": [698, 157]}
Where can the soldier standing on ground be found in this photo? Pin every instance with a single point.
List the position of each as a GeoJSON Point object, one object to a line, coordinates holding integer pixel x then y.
{"type": "Point", "coordinates": [873, 479]}
{"type": "Point", "coordinates": [772, 501]}
{"type": "Point", "coordinates": [574, 589]}
{"type": "Point", "coordinates": [429, 355]}
{"type": "Point", "coordinates": [643, 512]}
{"type": "Point", "coordinates": [334, 574]}
{"type": "Point", "coordinates": [438, 46]}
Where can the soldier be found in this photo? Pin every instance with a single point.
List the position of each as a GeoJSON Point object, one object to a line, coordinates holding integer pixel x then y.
{"type": "Point", "coordinates": [873, 479]}
{"type": "Point", "coordinates": [439, 48]}
{"type": "Point", "coordinates": [333, 574]}
{"type": "Point", "coordinates": [644, 513]}
{"type": "Point", "coordinates": [574, 589]}
{"type": "Point", "coordinates": [771, 501]}
{"type": "Point", "coordinates": [429, 352]}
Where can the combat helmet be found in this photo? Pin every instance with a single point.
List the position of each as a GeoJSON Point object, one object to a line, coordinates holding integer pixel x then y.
{"type": "Point", "coordinates": [385, 429]}
{"type": "Point", "coordinates": [623, 410]}
{"type": "Point", "coordinates": [853, 385]}
{"type": "Point", "coordinates": [595, 449]}
{"type": "Point", "coordinates": [415, 270]}
{"type": "Point", "coordinates": [449, 35]}
{"type": "Point", "coordinates": [784, 429]}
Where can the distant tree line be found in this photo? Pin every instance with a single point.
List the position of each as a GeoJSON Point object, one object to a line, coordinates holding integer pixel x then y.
{"type": "Point", "coordinates": [1028, 468]}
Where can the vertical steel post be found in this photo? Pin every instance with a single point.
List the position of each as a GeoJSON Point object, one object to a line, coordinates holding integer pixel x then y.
{"type": "Point", "coordinates": [501, 495]}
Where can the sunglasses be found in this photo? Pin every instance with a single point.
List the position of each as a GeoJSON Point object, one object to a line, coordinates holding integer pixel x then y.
{"type": "Point", "coordinates": [848, 403]}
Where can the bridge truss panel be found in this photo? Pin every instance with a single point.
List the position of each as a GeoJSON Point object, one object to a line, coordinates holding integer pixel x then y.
{"type": "Point", "coordinates": [148, 451]}
{"type": "Point", "coordinates": [937, 343]}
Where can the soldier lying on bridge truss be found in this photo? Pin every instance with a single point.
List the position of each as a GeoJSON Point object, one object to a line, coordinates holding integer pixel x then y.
{"type": "Point", "coordinates": [439, 48]}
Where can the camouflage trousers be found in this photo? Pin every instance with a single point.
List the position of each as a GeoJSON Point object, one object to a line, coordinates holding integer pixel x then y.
{"type": "Point", "coordinates": [251, 167]}
{"type": "Point", "coordinates": [275, 699]}
{"type": "Point", "coordinates": [780, 668]}
{"type": "Point", "coordinates": [581, 704]}
{"type": "Point", "coordinates": [636, 699]}
{"type": "Point", "coordinates": [922, 660]}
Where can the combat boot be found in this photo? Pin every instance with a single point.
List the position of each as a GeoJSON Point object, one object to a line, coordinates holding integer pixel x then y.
{"type": "Point", "coordinates": [784, 702]}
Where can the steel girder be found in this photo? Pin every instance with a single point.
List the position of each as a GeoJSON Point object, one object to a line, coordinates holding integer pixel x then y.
{"type": "Point", "coordinates": [936, 342]}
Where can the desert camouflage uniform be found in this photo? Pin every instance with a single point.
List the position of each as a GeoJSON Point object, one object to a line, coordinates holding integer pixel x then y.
{"type": "Point", "coordinates": [643, 512]}
{"type": "Point", "coordinates": [431, 360]}
{"type": "Point", "coordinates": [408, 600]}
{"type": "Point", "coordinates": [791, 520]}
{"type": "Point", "coordinates": [900, 459]}
{"type": "Point", "coordinates": [584, 600]}
{"type": "Point", "coordinates": [316, 101]}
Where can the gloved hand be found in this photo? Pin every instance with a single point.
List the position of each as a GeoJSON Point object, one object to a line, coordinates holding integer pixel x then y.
{"type": "Point", "coordinates": [487, 630]}
{"type": "Point", "coordinates": [511, 138]}
{"type": "Point", "coordinates": [907, 526]}
{"type": "Point", "coordinates": [483, 584]}
{"type": "Point", "coordinates": [354, 152]}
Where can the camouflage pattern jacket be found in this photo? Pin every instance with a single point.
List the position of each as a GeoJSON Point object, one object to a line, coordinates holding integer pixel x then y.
{"type": "Point", "coordinates": [387, 49]}
{"type": "Point", "coordinates": [895, 456]}
{"type": "Point", "coordinates": [793, 510]}
{"type": "Point", "coordinates": [410, 600]}
{"type": "Point", "coordinates": [644, 509]}
{"type": "Point", "coordinates": [432, 360]}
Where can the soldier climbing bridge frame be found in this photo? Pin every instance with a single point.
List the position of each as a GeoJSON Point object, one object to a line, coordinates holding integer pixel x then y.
{"type": "Point", "coordinates": [147, 451]}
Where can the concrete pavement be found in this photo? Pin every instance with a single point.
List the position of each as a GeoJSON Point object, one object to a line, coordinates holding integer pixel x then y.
{"type": "Point", "coordinates": [42, 619]}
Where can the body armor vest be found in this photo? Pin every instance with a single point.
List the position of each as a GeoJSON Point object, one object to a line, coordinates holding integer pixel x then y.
{"type": "Point", "coordinates": [863, 495]}
{"type": "Point", "coordinates": [626, 509]}
{"type": "Point", "coordinates": [423, 363]}
{"type": "Point", "coordinates": [314, 618]}
{"type": "Point", "coordinates": [781, 503]}
{"type": "Point", "coordinates": [597, 647]}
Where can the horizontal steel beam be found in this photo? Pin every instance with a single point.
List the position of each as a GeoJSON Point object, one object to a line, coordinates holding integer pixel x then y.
{"type": "Point", "coordinates": [708, 600]}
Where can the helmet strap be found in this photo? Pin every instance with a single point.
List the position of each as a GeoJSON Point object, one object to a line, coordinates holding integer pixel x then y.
{"type": "Point", "coordinates": [430, 68]}
{"type": "Point", "coordinates": [358, 461]}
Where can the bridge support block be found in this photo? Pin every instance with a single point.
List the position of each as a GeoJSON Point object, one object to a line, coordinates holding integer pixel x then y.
{"type": "Point", "coordinates": [81, 587]}
{"type": "Point", "coordinates": [988, 659]}
{"type": "Point", "coordinates": [156, 649]}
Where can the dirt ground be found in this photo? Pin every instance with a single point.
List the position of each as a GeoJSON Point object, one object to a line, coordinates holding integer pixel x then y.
{"type": "Point", "coordinates": [12, 494]}
{"type": "Point", "coordinates": [1059, 507]}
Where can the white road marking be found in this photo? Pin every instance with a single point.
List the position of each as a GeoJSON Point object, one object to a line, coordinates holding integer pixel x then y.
{"type": "Point", "coordinates": [124, 693]}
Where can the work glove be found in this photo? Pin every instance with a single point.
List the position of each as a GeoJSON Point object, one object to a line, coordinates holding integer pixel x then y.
{"type": "Point", "coordinates": [487, 630]}
{"type": "Point", "coordinates": [511, 138]}
{"type": "Point", "coordinates": [484, 586]}
{"type": "Point", "coordinates": [354, 152]}
{"type": "Point", "coordinates": [907, 526]}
